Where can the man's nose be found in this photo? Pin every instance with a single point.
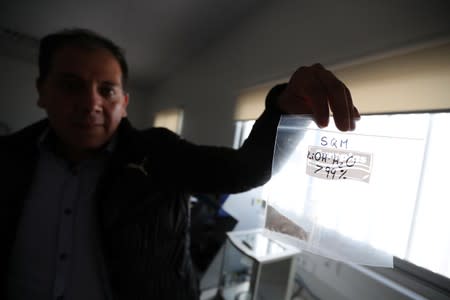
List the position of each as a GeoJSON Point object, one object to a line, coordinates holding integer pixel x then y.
{"type": "Point", "coordinates": [92, 101]}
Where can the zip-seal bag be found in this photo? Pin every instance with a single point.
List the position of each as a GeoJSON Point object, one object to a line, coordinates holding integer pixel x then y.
{"type": "Point", "coordinates": [340, 194]}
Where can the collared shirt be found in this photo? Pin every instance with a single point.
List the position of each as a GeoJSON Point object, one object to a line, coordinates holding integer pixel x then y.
{"type": "Point", "coordinates": [57, 250]}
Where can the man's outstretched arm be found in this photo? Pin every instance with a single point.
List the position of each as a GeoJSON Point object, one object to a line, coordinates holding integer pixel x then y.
{"type": "Point", "coordinates": [311, 90]}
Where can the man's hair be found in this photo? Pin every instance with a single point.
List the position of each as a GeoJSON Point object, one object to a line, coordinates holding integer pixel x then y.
{"type": "Point", "coordinates": [77, 37]}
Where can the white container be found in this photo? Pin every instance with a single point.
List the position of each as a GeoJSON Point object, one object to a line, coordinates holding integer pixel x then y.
{"type": "Point", "coordinates": [256, 267]}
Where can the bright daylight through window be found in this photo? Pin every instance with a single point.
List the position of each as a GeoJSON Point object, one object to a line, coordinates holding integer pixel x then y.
{"type": "Point", "coordinates": [426, 240]}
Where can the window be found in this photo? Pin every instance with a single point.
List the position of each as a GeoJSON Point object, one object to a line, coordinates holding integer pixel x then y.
{"type": "Point", "coordinates": [171, 119]}
{"type": "Point", "coordinates": [241, 132]}
{"type": "Point", "coordinates": [413, 79]}
{"type": "Point", "coordinates": [426, 242]}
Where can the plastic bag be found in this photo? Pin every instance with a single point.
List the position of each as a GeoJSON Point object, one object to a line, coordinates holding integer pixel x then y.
{"type": "Point", "coordinates": [348, 196]}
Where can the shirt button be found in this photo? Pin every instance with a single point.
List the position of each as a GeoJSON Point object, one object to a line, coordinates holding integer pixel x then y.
{"type": "Point", "coordinates": [63, 256]}
{"type": "Point", "coordinates": [67, 211]}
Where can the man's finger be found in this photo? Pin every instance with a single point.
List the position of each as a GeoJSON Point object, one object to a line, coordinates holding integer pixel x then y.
{"type": "Point", "coordinates": [305, 88]}
{"type": "Point", "coordinates": [339, 98]}
{"type": "Point", "coordinates": [317, 96]}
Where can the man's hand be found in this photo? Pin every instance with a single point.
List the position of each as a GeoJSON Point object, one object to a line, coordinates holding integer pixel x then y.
{"type": "Point", "coordinates": [314, 90]}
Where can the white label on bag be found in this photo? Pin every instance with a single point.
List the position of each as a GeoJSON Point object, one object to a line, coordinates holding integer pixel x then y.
{"type": "Point", "coordinates": [338, 164]}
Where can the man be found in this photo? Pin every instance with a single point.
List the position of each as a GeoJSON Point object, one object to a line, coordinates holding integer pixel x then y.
{"type": "Point", "coordinates": [94, 209]}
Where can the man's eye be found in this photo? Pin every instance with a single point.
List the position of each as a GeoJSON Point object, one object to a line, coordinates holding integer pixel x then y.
{"type": "Point", "coordinates": [108, 92]}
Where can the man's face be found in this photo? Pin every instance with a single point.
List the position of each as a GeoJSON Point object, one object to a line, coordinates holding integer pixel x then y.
{"type": "Point", "coordinates": [83, 96]}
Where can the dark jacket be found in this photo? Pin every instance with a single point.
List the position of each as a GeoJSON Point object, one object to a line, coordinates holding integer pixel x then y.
{"type": "Point", "coordinates": [143, 216]}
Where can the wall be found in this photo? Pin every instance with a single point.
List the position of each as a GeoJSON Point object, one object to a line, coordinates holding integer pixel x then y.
{"type": "Point", "coordinates": [18, 95]}
{"type": "Point", "coordinates": [137, 108]}
{"type": "Point", "coordinates": [281, 37]}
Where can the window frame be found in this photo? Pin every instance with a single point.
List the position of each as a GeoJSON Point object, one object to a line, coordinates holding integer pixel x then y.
{"type": "Point", "coordinates": [416, 278]}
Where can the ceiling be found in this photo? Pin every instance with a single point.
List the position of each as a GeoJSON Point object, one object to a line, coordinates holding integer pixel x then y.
{"type": "Point", "coordinates": [158, 36]}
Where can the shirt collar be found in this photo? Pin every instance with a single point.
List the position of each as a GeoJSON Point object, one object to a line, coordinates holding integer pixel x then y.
{"type": "Point", "coordinates": [47, 141]}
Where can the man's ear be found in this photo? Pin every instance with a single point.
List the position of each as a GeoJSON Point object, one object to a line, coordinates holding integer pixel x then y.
{"type": "Point", "coordinates": [126, 99]}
